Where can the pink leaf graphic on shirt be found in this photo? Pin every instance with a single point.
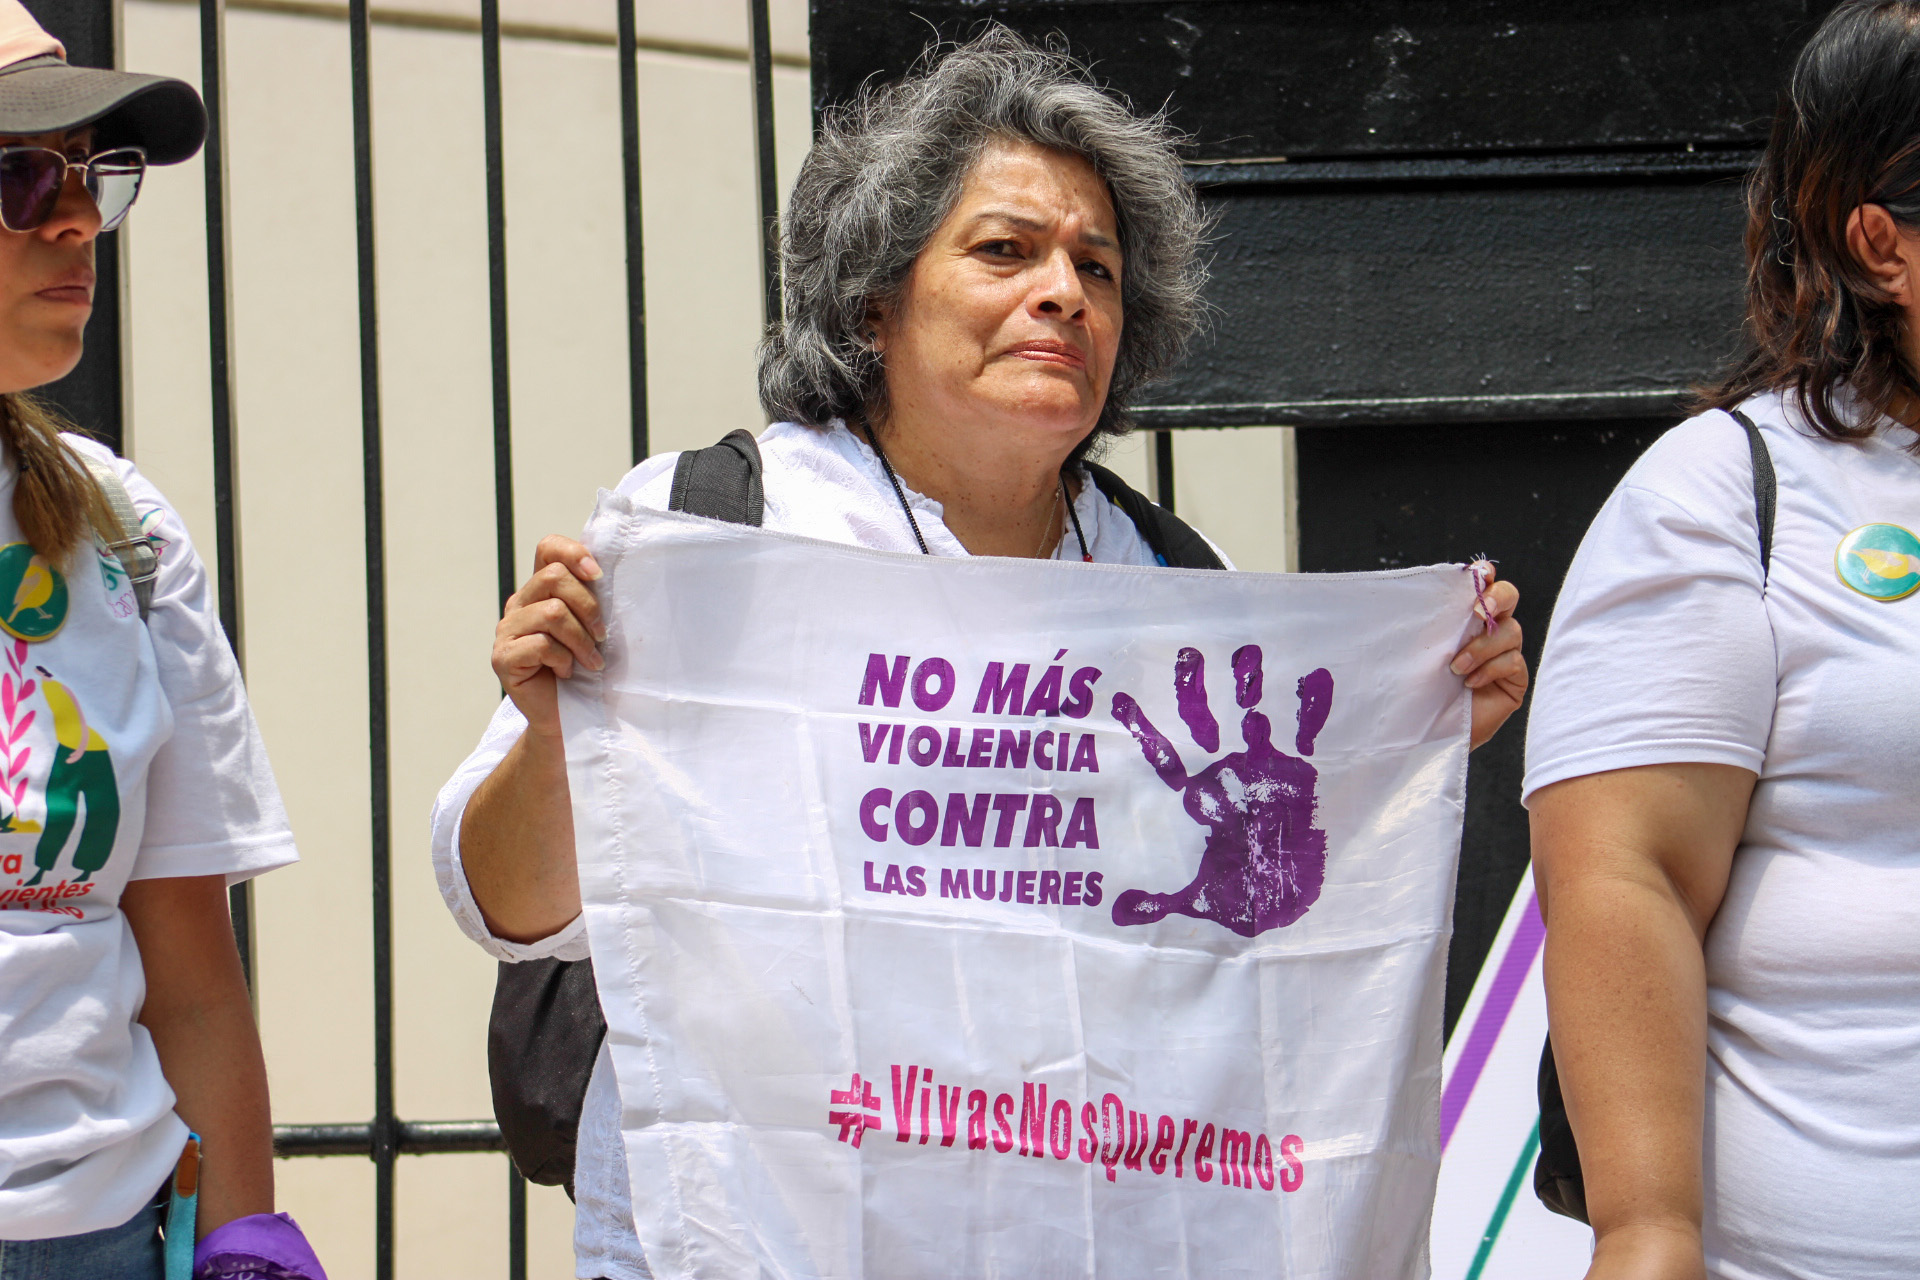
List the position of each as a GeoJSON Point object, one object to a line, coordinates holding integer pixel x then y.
{"type": "Point", "coordinates": [17, 655]}
{"type": "Point", "coordinates": [26, 690]}
{"type": "Point", "coordinates": [14, 787]}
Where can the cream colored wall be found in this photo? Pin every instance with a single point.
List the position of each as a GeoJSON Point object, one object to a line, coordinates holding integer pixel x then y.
{"type": "Point", "coordinates": [1235, 485]}
{"type": "Point", "coordinates": [297, 409]}
{"type": "Point", "coordinates": [296, 360]}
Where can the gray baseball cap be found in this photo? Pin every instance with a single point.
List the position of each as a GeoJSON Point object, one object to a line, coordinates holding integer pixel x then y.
{"type": "Point", "coordinates": [41, 93]}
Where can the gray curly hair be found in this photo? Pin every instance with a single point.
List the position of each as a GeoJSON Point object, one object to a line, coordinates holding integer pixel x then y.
{"type": "Point", "coordinates": [888, 168]}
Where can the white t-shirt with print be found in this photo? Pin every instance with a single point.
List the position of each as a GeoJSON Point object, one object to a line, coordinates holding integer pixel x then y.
{"type": "Point", "coordinates": [1669, 646]}
{"type": "Point", "coordinates": [825, 484]}
{"type": "Point", "coordinates": [127, 752]}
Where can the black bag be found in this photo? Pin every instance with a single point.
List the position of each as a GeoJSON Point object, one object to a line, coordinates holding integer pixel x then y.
{"type": "Point", "coordinates": [544, 1033]}
{"type": "Point", "coordinates": [1556, 1174]}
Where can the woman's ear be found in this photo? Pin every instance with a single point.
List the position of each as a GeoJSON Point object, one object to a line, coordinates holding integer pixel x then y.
{"type": "Point", "coordinates": [873, 327]}
{"type": "Point", "coordinates": [1887, 254]}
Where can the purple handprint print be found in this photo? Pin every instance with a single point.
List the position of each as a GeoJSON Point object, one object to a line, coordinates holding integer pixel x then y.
{"type": "Point", "coordinates": [1264, 859]}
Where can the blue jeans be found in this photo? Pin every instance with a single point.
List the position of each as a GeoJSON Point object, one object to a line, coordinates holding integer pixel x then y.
{"type": "Point", "coordinates": [130, 1251]}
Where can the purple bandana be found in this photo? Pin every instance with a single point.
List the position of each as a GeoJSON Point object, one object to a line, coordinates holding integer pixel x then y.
{"type": "Point", "coordinates": [265, 1246]}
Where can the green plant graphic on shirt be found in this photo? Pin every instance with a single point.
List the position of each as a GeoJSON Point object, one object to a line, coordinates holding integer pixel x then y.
{"type": "Point", "coordinates": [81, 780]}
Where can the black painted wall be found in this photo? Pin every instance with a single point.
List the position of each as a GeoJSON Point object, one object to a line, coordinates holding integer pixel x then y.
{"type": "Point", "coordinates": [1477, 249]}
{"type": "Point", "coordinates": [91, 395]}
{"type": "Point", "coordinates": [1312, 79]}
{"type": "Point", "coordinates": [1522, 492]}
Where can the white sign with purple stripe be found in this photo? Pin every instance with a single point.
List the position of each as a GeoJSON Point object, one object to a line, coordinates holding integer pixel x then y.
{"type": "Point", "coordinates": [1487, 1224]}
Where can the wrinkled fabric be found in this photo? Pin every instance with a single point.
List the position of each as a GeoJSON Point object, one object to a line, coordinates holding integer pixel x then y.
{"type": "Point", "coordinates": [977, 917]}
{"type": "Point", "coordinates": [820, 483]}
{"type": "Point", "coordinates": [261, 1246]}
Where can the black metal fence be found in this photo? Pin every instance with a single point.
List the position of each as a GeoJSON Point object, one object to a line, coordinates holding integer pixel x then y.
{"type": "Point", "coordinates": [387, 1136]}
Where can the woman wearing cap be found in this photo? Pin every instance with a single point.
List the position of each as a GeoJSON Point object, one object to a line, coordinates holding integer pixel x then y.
{"type": "Point", "coordinates": [960, 253]}
{"type": "Point", "coordinates": [1724, 830]}
{"type": "Point", "coordinates": [133, 786]}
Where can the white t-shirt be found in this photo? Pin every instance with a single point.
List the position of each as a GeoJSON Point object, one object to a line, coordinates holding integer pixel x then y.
{"type": "Point", "coordinates": [825, 484]}
{"type": "Point", "coordinates": [1666, 647]}
{"type": "Point", "coordinates": [127, 752]}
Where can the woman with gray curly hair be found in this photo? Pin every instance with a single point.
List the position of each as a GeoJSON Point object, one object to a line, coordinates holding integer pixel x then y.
{"type": "Point", "coordinates": [983, 263]}
{"type": "Point", "coordinates": [990, 121]}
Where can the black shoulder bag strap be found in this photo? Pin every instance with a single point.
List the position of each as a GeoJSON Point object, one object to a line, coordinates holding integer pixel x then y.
{"type": "Point", "coordinates": [546, 1026]}
{"type": "Point", "coordinates": [721, 482]}
{"type": "Point", "coordinates": [1173, 540]}
{"type": "Point", "coordinates": [1765, 490]}
{"type": "Point", "coordinates": [1557, 1180]}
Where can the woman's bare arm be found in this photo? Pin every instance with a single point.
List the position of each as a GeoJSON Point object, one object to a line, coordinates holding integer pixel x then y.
{"type": "Point", "coordinates": [516, 836]}
{"type": "Point", "coordinates": [202, 1026]}
{"type": "Point", "coordinates": [516, 842]}
{"type": "Point", "coordinates": [1631, 866]}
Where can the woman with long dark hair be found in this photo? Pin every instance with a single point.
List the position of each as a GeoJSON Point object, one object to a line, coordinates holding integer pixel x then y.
{"type": "Point", "coordinates": [1724, 831]}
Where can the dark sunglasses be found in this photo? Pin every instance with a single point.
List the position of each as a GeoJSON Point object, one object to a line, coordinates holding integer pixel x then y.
{"type": "Point", "coordinates": [31, 179]}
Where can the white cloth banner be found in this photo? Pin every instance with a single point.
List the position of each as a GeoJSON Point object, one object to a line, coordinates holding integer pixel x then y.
{"type": "Point", "coordinates": [1011, 918]}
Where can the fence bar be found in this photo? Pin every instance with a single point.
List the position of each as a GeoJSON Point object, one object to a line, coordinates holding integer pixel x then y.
{"type": "Point", "coordinates": [386, 1129]}
{"type": "Point", "coordinates": [411, 1138]}
{"type": "Point", "coordinates": [759, 45]}
{"type": "Point", "coordinates": [226, 497]}
{"type": "Point", "coordinates": [516, 1224]}
{"type": "Point", "coordinates": [226, 488]}
{"type": "Point", "coordinates": [1163, 468]}
{"type": "Point", "coordinates": [627, 49]}
{"type": "Point", "coordinates": [497, 294]}
{"type": "Point", "coordinates": [504, 540]}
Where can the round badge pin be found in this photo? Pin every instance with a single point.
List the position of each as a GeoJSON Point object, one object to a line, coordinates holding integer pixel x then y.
{"type": "Point", "coordinates": [33, 594]}
{"type": "Point", "coordinates": [1880, 561]}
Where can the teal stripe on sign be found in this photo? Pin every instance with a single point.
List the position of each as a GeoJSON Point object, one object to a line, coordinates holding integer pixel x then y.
{"type": "Point", "coordinates": [1500, 1211]}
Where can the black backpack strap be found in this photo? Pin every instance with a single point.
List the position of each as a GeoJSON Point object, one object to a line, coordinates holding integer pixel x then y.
{"type": "Point", "coordinates": [1557, 1180]}
{"type": "Point", "coordinates": [1765, 489]}
{"type": "Point", "coordinates": [546, 1027]}
{"type": "Point", "coordinates": [721, 481]}
{"type": "Point", "coordinates": [1174, 542]}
